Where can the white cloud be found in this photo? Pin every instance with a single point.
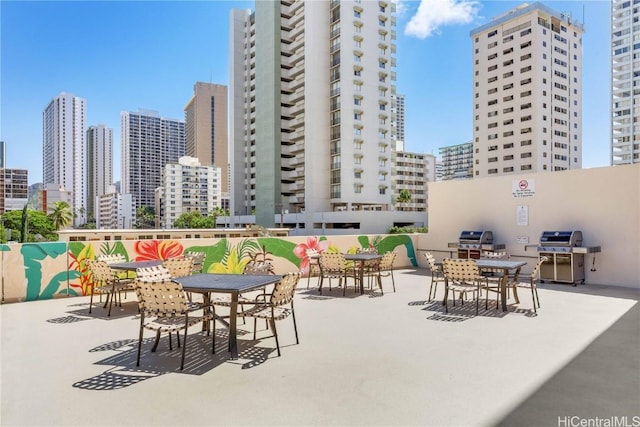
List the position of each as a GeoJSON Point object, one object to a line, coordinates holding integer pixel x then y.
{"type": "Point", "coordinates": [433, 14]}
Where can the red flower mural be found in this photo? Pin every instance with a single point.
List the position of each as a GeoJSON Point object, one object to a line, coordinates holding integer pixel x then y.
{"type": "Point", "coordinates": [157, 249]}
{"type": "Point", "coordinates": [313, 245]}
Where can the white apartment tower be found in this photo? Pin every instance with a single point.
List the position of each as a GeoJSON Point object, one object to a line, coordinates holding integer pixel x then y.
{"type": "Point", "coordinates": [189, 186]}
{"type": "Point", "coordinates": [399, 122]}
{"type": "Point", "coordinates": [99, 165]}
{"type": "Point", "coordinates": [206, 129]}
{"type": "Point", "coordinates": [625, 82]}
{"type": "Point", "coordinates": [527, 93]}
{"type": "Point", "coordinates": [64, 150]}
{"type": "Point", "coordinates": [313, 85]}
{"type": "Point", "coordinates": [149, 142]}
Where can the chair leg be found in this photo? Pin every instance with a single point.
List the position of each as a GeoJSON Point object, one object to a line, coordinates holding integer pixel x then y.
{"type": "Point", "coordinates": [393, 281]}
{"type": "Point", "coordinates": [155, 344]}
{"type": "Point", "coordinates": [140, 340]}
{"type": "Point", "coordinates": [184, 348]}
{"type": "Point", "coordinates": [275, 334]}
{"type": "Point", "coordinates": [91, 300]}
{"type": "Point", "coordinates": [295, 327]}
{"type": "Point", "coordinates": [533, 299]}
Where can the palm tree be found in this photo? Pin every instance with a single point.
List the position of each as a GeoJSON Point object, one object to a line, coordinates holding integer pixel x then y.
{"type": "Point", "coordinates": [61, 215]}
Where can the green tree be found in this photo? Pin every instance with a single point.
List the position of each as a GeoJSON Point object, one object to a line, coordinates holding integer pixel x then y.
{"type": "Point", "coordinates": [145, 218]}
{"type": "Point", "coordinates": [194, 219]}
{"type": "Point", "coordinates": [38, 223]}
{"type": "Point", "coordinates": [61, 215]}
{"type": "Point", "coordinates": [404, 196]}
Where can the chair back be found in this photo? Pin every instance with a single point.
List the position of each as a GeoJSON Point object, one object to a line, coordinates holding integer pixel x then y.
{"type": "Point", "coordinates": [431, 260]}
{"type": "Point", "coordinates": [111, 258]}
{"type": "Point", "coordinates": [164, 298]}
{"type": "Point", "coordinates": [101, 273]}
{"type": "Point", "coordinates": [535, 273]}
{"type": "Point", "coordinates": [198, 260]}
{"type": "Point", "coordinates": [495, 255]}
{"type": "Point", "coordinates": [386, 262]}
{"type": "Point", "coordinates": [284, 290]}
{"type": "Point", "coordinates": [332, 263]}
{"type": "Point", "coordinates": [156, 273]}
{"type": "Point", "coordinates": [178, 267]}
{"type": "Point", "coordinates": [258, 268]}
{"type": "Point", "coordinates": [461, 270]}
{"type": "Point", "coordinates": [367, 250]}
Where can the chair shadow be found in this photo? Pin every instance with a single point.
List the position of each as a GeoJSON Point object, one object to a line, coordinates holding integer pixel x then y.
{"type": "Point", "coordinates": [335, 292]}
{"type": "Point", "coordinates": [123, 372]}
{"type": "Point", "coordinates": [461, 312]}
{"type": "Point", "coordinates": [128, 309]}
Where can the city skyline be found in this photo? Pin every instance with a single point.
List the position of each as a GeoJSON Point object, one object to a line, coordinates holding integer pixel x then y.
{"type": "Point", "coordinates": [124, 58]}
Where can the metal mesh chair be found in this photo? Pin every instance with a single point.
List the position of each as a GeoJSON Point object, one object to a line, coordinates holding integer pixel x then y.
{"type": "Point", "coordinates": [334, 266]}
{"type": "Point", "coordinates": [105, 281]}
{"type": "Point", "coordinates": [198, 261]}
{"type": "Point", "coordinates": [278, 305]}
{"type": "Point", "coordinates": [156, 273]}
{"type": "Point", "coordinates": [111, 258]}
{"type": "Point", "coordinates": [436, 274]}
{"type": "Point", "coordinates": [164, 308]}
{"type": "Point", "coordinates": [384, 268]}
{"type": "Point", "coordinates": [462, 276]}
{"type": "Point", "coordinates": [178, 267]}
{"type": "Point", "coordinates": [532, 283]}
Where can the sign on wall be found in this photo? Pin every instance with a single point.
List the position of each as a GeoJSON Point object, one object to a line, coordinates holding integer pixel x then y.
{"type": "Point", "coordinates": [522, 215]}
{"type": "Point", "coordinates": [523, 187]}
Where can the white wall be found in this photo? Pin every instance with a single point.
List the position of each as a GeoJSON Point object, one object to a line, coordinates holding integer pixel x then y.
{"type": "Point", "coordinates": [604, 203]}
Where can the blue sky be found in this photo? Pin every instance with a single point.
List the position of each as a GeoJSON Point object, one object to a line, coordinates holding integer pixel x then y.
{"type": "Point", "coordinates": [124, 55]}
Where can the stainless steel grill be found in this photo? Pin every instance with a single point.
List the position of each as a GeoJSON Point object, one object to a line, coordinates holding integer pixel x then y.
{"type": "Point", "coordinates": [470, 244]}
{"type": "Point", "coordinates": [565, 254]}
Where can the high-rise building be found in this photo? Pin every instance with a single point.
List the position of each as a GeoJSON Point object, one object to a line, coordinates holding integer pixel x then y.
{"type": "Point", "coordinates": [399, 122]}
{"type": "Point", "coordinates": [14, 189]}
{"type": "Point", "coordinates": [527, 92]}
{"type": "Point", "coordinates": [412, 172]}
{"type": "Point", "coordinates": [114, 210]}
{"type": "Point", "coordinates": [189, 186]}
{"type": "Point", "coordinates": [206, 130]}
{"type": "Point", "coordinates": [64, 157]}
{"type": "Point", "coordinates": [99, 165]}
{"type": "Point", "coordinates": [457, 161]}
{"type": "Point", "coordinates": [313, 87]}
{"type": "Point", "coordinates": [149, 142]}
{"type": "Point", "coordinates": [625, 83]}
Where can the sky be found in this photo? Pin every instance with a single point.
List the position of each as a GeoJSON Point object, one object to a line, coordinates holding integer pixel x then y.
{"type": "Point", "coordinates": [125, 55]}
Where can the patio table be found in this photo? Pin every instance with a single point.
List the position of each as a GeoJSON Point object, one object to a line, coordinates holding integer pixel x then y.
{"type": "Point", "coordinates": [233, 284]}
{"type": "Point", "coordinates": [506, 266]}
{"type": "Point", "coordinates": [361, 260]}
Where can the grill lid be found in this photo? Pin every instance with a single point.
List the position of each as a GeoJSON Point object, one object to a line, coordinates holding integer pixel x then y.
{"type": "Point", "coordinates": [483, 237]}
{"type": "Point", "coordinates": [561, 238]}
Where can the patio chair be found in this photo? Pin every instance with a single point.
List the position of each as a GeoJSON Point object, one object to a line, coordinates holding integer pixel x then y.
{"type": "Point", "coordinates": [164, 308]}
{"type": "Point", "coordinates": [314, 264]}
{"type": "Point", "coordinates": [179, 267]}
{"type": "Point", "coordinates": [105, 281]}
{"type": "Point", "coordinates": [436, 274]}
{"type": "Point", "coordinates": [257, 267]}
{"type": "Point", "coordinates": [198, 261]}
{"type": "Point", "coordinates": [462, 276]}
{"type": "Point", "coordinates": [111, 258]}
{"type": "Point", "coordinates": [156, 273]}
{"type": "Point", "coordinates": [384, 268]}
{"type": "Point", "coordinates": [532, 283]}
{"type": "Point", "coordinates": [278, 305]}
{"type": "Point", "coordinates": [334, 266]}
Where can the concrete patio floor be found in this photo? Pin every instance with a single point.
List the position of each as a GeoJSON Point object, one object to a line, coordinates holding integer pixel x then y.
{"type": "Point", "coordinates": [362, 360]}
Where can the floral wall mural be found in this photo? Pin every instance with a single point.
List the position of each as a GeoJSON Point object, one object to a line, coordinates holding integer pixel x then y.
{"type": "Point", "coordinates": [59, 269]}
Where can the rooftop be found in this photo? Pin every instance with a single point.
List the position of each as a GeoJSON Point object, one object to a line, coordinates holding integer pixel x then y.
{"type": "Point", "coordinates": [366, 359]}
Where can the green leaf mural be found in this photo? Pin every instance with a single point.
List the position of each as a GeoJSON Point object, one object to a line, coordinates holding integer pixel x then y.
{"type": "Point", "coordinates": [390, 243]}
{"type": "Point", "coordinates": [280, 248]}
{"type": "Point", "coordinates": [33, 254]}
{"type": "Point", "coordinates": [215, 253]}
